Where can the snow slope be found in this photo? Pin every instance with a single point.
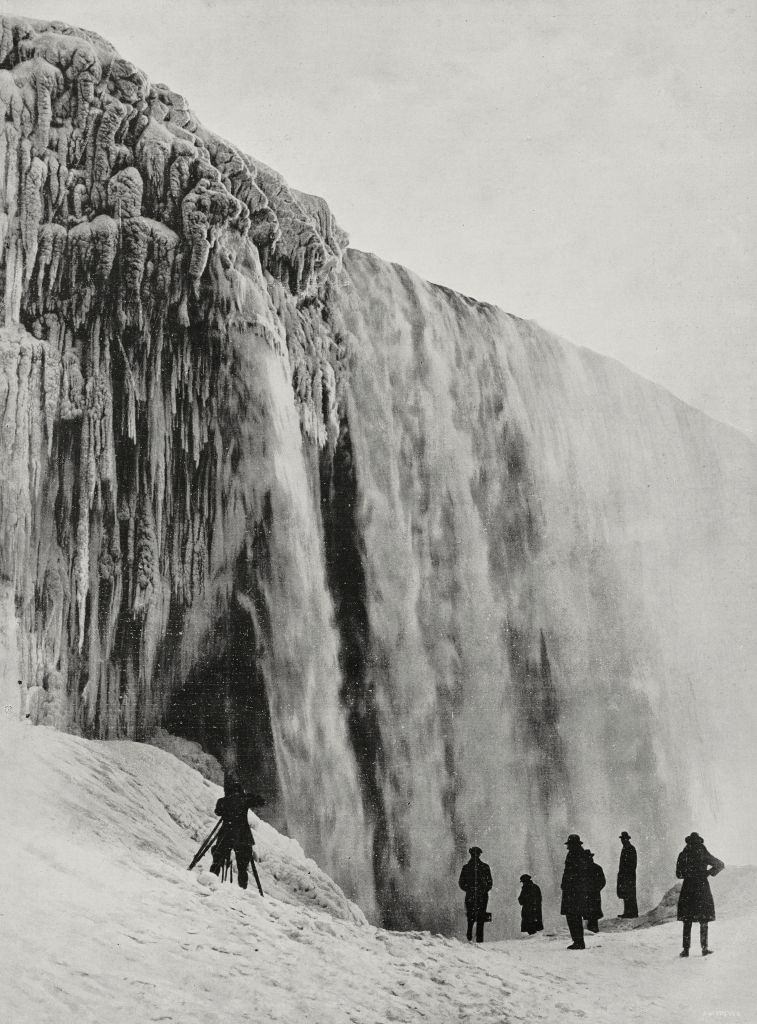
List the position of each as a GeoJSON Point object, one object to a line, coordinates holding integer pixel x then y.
{"type": "Point", "coordinates": [101, 921]}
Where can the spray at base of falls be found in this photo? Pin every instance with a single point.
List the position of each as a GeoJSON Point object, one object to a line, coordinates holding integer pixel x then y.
{"type": "Point", "coordinates": [425, 573]}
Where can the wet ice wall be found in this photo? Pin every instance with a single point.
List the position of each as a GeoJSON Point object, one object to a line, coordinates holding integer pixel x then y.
{"type": "Point", "coordinates": [558, 560]}
{"type": "Point", "coordinates": [166, 384]}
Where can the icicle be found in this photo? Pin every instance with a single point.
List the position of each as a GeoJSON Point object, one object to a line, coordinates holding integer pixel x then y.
{"type": "Point", "coordinates": [76, 57]}
{"type": "Point", "coordinates": [35, 415]}
{"type": "Point", "coordinates": [11, 100]}
{"type": "Point", "coordinates": [51, 386]}
{"type": "Point", "coordinates": [131, 420]}
{"type": "Point", "coordinates": [113, 116]}
{"type": "Point", "coordinates": [31, 212]}
{"type": "Point", "coordinates": [38, 81]}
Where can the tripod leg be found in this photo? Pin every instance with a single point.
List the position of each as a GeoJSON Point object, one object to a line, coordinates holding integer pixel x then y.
{"type": "Point", "coordinates": [257, 876]}
{"type": "Point", "coordinates": [205, 846]}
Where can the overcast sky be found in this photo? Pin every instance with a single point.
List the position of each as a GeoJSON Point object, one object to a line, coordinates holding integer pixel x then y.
{"type": "Point", "coordinates": [589, 164]}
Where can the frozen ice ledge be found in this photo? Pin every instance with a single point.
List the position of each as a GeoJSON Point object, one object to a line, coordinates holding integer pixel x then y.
{"type": "Point", "coordinates": [422, 571]}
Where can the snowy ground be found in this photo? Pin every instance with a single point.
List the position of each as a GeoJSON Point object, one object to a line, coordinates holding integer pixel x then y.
{"type": "Point", "coordinates": [100, 921]}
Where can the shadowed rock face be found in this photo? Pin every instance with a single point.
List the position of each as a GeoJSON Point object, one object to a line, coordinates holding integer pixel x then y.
{"type": "Point", "coordinates": [423, 573]}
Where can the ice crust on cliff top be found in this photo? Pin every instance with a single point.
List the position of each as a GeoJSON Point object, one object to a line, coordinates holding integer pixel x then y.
{"type": "Point", "coordinates": [424, 574]}
{"type": "Point", "coordinates": [127, 233]}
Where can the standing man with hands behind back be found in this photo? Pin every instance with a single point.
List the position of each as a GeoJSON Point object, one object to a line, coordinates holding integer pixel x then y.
{"type": "Point", "coordinates": [627, 877]}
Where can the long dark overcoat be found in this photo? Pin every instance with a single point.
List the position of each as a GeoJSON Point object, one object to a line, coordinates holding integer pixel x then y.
{"type": "Point", "coordinates": [235, 832]}
{"type": "Point", "coordinates": [530, 914]}
{"type": "Point", "coordinates": [595, 883]}
{"type": "Point", "coordinates": [475, 881]}
{"type": "Point", "coordinates": [573, 884]}
{"type": "Point", "coordinates": [695, 902]}
{"type": "Point", "coordinates": [626, 889]}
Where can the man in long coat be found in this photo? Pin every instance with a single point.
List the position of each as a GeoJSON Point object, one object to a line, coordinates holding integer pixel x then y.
{"type": "Point", "coordinates": [574, 886]}
{"type": "Point", "coordinates": [595, 883]}
{"type": "Point", "coordinates": [235, 833]}
{"type": "Point", "coordinates": [530, 904]}
{"type": "Point", "coordinates": [695, 903]}
{"type": "Point", "coordinates": [476, 881]}
{"type": "Point", "coordinates": [626, 889]}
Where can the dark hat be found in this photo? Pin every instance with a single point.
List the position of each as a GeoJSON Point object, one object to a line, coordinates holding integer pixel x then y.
{"type": "Point", "coordinates": [231, 783]}
{"type": "Point", "coordinates": [588, 853]}
{"type": "Point", "coordinates": [695, 839]}
{"type": "Point", "coordinates": [474, 850]}
{"type": "Point", "coordinates": [573, 840]}
{"type": "Point", "coordinates": [624, 835]}
{"type": "Point", "coordinates": [525, 878]}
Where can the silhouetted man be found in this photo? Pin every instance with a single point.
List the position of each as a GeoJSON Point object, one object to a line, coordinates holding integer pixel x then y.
{"type": "Point", "coordinates": [476, 881]}
{"type": "Point", "coordinates": [695, 903]}
{"type": "Point", "coordinates": [235, 832]}
{"type": "Point", "coordinates": [627, 877]}
{"type": "Point", "coordinates": [595, 883]}
{"type": "Point", "coordinates": [530, 906]}
{"type": "Point", "coordinates": [573, 886]}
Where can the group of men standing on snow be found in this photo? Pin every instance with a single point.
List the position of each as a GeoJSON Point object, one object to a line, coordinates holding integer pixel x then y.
{"type": "Point", "coordinates": [582, 883]}
{"type": "Point", "coordinates": [581, 880]}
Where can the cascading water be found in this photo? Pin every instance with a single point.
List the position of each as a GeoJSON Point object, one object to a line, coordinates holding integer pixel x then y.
{"type": "Point", "coordinates": [422, 572]}
{"type": "Point", "coordinates": [558, 557]}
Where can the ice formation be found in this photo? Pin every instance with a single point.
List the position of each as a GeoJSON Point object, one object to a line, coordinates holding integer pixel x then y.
{"type": "Point", "coordinates": [421, 570]}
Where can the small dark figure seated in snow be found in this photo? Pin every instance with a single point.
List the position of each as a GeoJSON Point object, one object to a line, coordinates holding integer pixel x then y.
{"type": "Point", "coordinates": [595, 883]}
{"type": "Point", "coordinates": [695, 903]}
{"type": "Point", "coordinates": [530, 904]}
{"type": "Point", "coordinates": [235, 833]}
{"type": "Point", "coordinates": [476, 881]}
{"type": "Point", "coordinates": [626, 888]}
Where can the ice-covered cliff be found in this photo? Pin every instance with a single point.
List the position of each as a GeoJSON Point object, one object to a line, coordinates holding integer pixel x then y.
{"type": "Point", "coordinates": [425, 572]}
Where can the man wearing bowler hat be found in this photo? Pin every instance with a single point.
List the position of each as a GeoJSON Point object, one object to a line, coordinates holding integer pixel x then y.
{"type": "Point", "coordinates": [476, 881]}
{"type": "Point", "coordinates": [574, 890]}
{"type": "Point", "coordinates": [626, 889]}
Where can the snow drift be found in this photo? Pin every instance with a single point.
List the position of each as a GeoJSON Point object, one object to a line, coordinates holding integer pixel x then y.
{"type": "Point", "coordinates": [101, 921]}
{"type": "Point", "coordinates": [423, 573]}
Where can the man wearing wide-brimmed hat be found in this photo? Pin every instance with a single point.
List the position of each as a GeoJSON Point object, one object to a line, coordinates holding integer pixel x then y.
{"type": "Point", "coordinates": [695, 903]}
{"type": "Point", "coordinates": [574, 888]}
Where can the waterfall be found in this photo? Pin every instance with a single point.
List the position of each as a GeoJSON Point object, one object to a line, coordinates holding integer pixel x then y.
{"type": "Point", "coordinates": [424, 574]}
